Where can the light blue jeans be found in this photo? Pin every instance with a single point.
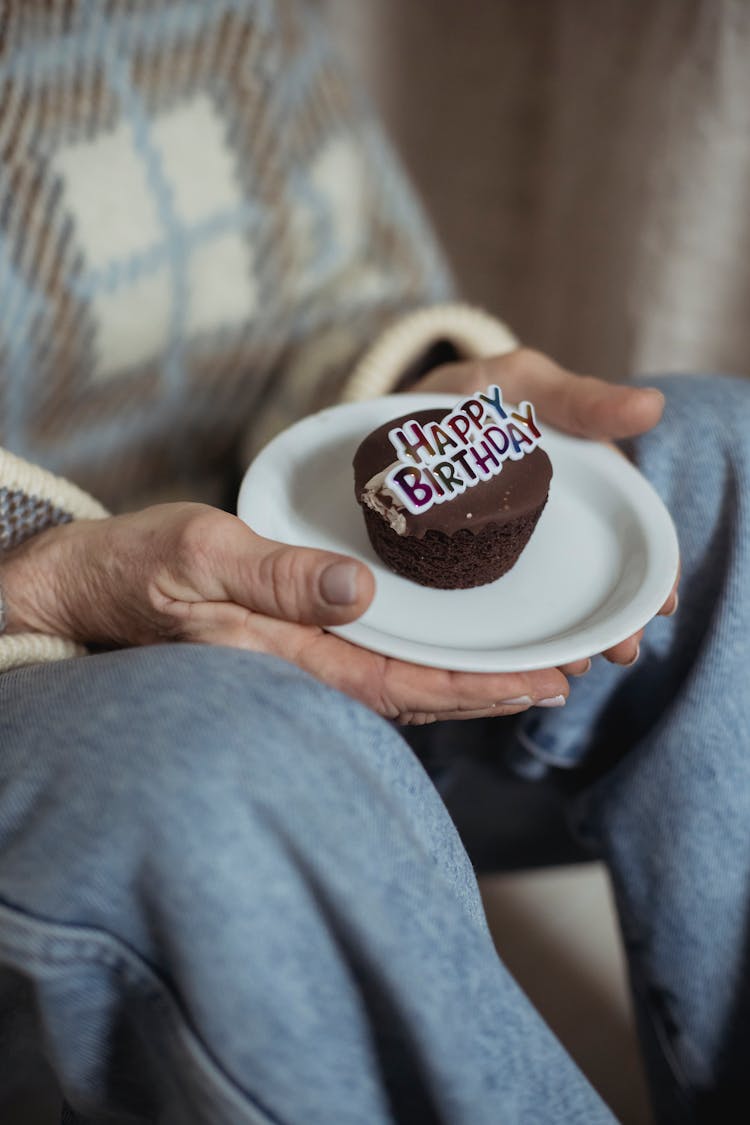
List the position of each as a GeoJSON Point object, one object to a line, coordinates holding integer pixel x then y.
{"type": "Point", "coordinates": [229, 894]}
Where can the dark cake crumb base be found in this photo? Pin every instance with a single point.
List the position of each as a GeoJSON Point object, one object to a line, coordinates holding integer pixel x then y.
{"type": "Point", "coordinates": [452, 562]}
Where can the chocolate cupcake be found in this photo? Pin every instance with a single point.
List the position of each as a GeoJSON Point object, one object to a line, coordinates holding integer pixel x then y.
{"type": "Point", "coordinates": [462, 516]}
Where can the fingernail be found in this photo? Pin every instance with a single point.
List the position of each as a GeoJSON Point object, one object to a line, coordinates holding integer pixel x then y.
{"type": "Point", "coordinates": [633, 658]}
{"type": "Point", "coordinates": [552, 701]}
{"type": "Point", "coordinates": [584, 670]}
{"type": "Point", "coordinates": [338, 583]}
{"type": "Point", "coordinates": [673, 610]}
{"type": "Point", "coordinates": [519, 700]}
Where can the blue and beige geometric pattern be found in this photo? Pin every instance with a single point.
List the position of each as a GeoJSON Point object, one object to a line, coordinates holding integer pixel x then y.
{"type": "Point", "coordinates": [156, 219]}
{"type": "Point", "coordinates": [201, 228]}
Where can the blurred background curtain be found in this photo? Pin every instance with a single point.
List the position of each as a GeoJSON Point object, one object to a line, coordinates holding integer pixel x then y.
{"type": "Point", "coordinates": [586, 164]}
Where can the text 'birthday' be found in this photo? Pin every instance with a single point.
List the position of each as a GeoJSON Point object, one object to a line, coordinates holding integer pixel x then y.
{"type": "Point", "coordinates": [439, 460]}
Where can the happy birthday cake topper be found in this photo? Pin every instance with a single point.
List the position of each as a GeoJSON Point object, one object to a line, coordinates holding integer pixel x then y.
{"type": "Point", "coordinates": [438, 461]}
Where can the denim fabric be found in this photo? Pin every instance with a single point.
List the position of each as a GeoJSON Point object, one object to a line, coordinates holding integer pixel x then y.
{"type": "Point", "coordinates": [667, 745]}
{"type": "Point", "coordinates": [229, 894]}
{"type": "Point", "coordinates": [240, 899]}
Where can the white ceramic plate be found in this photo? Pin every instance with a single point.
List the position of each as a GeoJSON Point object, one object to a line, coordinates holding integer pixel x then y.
{"type": "Point", "coordinates": [599, 565]}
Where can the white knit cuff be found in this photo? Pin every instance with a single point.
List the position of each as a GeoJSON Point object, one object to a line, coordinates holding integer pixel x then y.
{"type": "Point", "coordinates": [474, 333]}
{"type": "Point", "coordinates": [62, 498]}
{"type": "Point", "coordinates": [19, 649]}
{"type": "Point", "coordinates": [18, 475]}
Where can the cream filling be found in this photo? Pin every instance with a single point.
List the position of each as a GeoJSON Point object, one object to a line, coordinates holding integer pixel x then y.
{"type": "Point", "coordinates": [374, 489]}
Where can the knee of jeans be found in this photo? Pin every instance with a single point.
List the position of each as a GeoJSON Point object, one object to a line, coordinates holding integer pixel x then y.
{"type": "Point", "coordinates": [187, 724]}
{"type": "Point", "coordinates": [179, 744]}
{"type": "Point", "coordinates": [187, 703]}
{"type": "Point", "coordinates": [175, 767]}
{"type": "Point", "coordinates": [236, 753]}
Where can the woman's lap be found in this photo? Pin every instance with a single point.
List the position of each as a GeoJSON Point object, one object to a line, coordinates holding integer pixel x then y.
{"type": "Point", "coordinates": [184, 801]}
{"type": "Point", "coordinates": [211, 846]}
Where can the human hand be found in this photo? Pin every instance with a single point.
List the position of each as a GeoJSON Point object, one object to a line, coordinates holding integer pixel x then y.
{"type": "Point", "coordinates": [576, 404]}
{"type": "Point", "coordinates": [189, 572]}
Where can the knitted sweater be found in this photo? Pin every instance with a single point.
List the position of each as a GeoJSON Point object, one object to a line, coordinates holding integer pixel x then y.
{"type": "Point", "coordinates": [204, 236]}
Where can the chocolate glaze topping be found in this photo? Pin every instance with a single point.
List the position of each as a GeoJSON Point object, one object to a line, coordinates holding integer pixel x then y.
{"type": "Point", "coordinates": [521, 487]}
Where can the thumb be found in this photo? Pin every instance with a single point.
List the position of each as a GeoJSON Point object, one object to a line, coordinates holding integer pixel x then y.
{"type": "Point", "coordinates": [300, 584]}
{"type": "Point", "coordinates": [592, 408]}
{"type": "Point", "coordinates": [577, 404]}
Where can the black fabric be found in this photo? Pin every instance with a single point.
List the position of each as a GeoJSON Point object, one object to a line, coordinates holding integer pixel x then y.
{"type": "Point", "coordinates": [507, 822]}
